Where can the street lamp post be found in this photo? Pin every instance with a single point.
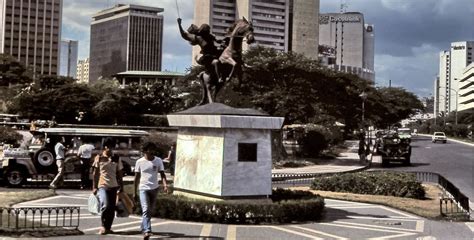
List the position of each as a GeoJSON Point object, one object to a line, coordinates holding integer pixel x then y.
{"type": "Point", "coordinates": [456, 115]}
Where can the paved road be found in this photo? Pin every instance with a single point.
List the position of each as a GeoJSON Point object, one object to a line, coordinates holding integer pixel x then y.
{"type": "Point", "coordinates": [454, 161]}
{"type": "Point", "coordinates": [343, 220]}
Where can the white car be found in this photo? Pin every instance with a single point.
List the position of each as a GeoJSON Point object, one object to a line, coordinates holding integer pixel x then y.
{"type": "Point", "coordinates": [439, 136]}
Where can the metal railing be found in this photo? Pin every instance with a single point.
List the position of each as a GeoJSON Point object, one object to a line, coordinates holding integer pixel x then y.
{"type": "Point", "coordinates": [38, 217]}
{"type": "Point", "coordinates": [455, 202]}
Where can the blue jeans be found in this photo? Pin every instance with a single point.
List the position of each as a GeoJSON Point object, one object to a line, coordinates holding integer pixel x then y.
{"type": "Point", "coordinates": [148, 202]}
{"type": "Point", "coordinates": [107, 200]}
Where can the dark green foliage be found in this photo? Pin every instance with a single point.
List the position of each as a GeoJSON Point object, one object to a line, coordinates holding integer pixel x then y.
{"type": "Point", "coordinates": [9, 136]}
{"type": "Point", "coordinates": [12, 72]}
{"type": "Point", "coordinates": [281, 194]}
{"type": "Point", "coordinates": [163, 141]}
{"type": "Point", "coordinates": [308, 207]}
{"type": "Point", "coordinates": [315, 140]}
{"type": "Point", "coordinates": [64, 102]}
{"type": "Point", "coordinates": [375, 183]}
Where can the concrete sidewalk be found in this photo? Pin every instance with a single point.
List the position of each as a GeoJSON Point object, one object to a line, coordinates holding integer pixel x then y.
{"type": "Point", "coordinates": [348, 161]}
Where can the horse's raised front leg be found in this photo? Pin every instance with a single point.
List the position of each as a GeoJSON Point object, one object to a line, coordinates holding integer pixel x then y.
{"type": "Point", "coordinates": [203, 89]}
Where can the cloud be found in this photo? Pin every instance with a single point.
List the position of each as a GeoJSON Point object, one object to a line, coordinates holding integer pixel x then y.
{"type": "Point", "coordinates": [415, 73]}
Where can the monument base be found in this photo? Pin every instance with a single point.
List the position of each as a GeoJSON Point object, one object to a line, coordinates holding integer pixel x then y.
{"type": "Point", "coordinates": [223, 152]}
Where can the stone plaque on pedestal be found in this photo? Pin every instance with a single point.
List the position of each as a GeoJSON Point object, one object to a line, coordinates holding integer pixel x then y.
{"type": "Point", "coordinates": [223, 152]}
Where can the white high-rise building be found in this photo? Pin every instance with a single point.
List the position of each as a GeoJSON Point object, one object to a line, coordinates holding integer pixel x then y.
{"type": "Point", "coordinates": [350, 42]}
{"type": "Point", "coordinates": [452, 66]}
{"type": "Point", "coordinates": [68, 59]}
{"type": "Point", "coordinates": [466, 89]}
{"type": "Point", "coordinates": [83, 71]}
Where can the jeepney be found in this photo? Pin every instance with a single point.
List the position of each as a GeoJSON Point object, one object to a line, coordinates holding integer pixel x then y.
{"type": "Point", "coordinates": [36, 160]}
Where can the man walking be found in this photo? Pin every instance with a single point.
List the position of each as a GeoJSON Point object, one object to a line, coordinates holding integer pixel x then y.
{"type": "Point", "coordinates": [59, 149]}
{"type": "Point", "coordinates": [146, 179]}
{"type": "Point", "coordinates": [85, 154]}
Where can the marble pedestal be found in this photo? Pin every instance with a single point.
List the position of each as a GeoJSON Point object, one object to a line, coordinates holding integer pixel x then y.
{"type": "Point", "coordinates": [223, 152]}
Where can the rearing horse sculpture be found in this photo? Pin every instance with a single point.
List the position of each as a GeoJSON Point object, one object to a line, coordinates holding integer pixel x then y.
{"type": "Point", "coordinates": [230, 61]}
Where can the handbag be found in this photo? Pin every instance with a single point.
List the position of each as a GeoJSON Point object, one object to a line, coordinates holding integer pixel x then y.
{"type": "Point", "coordinates": [121, 210]}
{"type": "Point", "coordinates": [124, 205]}
{"type": "Point", "coordinates": [93, 204]}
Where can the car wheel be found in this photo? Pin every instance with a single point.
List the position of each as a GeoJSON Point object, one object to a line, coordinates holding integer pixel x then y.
{"type": "Point", "coordinates": [444, 141]}
{"type": "Point", "coordinates": [44, 158]}
{"type": "Point", "coordinates": [15, 177]}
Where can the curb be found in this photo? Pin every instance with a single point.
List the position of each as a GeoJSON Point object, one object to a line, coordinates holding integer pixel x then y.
{"type": "Point", "coordinates": [291, 176]}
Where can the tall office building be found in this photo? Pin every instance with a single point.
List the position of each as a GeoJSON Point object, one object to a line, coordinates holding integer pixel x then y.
{"type": "Point", "coordinates": [452, 66]}
{"type": "Point", "coordinates": [82, 72]}
{"type": "Point", "coordinates": [466, 89]}
{"type": "Point", "coordinates": [350, 42]}
{"type": "Point", "coordinates": [68, 59]}
{"type": "Point", "coordinates": [125, 38]}
{"type": "Point", "coordinates": [286, 25]}
{"type": "Point", "coordinates": [31, 31]}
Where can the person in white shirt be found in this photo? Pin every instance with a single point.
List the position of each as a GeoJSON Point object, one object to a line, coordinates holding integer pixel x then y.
{"type": "Point", "coordinates": [59, 149]}
{"type": "Point", "coordinates": [85, 154]}
{"type": "Point", "coordinates": [146, 180]}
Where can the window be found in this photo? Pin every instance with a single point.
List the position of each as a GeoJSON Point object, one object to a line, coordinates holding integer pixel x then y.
{"type": "Point", "coordinates": [247, 152]}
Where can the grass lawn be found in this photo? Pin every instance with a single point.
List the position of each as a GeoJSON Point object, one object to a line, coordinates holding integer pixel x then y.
{"type": "Point", "coordinates": [428, 207]}
{"type": "Point", "coordinates": [9, 198]}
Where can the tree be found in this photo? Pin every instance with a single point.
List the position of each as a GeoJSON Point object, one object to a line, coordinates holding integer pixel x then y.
{"type": "Point", "coordinates": [394, 105]}
{"type": "Point", "coordinates": [12, 72]}
{"type": "Point", "coordinates": [63, 102]}
{"type": "Point", "coordinates": [127, 105]}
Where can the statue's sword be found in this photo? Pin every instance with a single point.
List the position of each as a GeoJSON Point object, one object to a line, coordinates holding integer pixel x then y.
{"type": "Point", "coordinates": [177, 8]}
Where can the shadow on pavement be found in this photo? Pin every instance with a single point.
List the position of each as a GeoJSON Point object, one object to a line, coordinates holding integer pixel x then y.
{"type": "Point", "coordinates": [333, 214]}
{"type": "Point", "coordinates": [165, 235]}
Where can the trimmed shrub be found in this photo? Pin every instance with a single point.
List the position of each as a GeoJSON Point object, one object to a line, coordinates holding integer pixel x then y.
{"type": "Point", "coordinates": [315, 140]}
{"type": "Point", "coordinates": [10, 136]}
{"type": "Point", "coordinates": [285, 209]}
{"type": "Point", "coordinates": [162, 140]}
{"type": "Point", "coordinates": [376, 183]}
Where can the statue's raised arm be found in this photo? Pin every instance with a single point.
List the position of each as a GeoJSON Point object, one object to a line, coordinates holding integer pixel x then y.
{"type": "Point", "coordinates": [189, 35]}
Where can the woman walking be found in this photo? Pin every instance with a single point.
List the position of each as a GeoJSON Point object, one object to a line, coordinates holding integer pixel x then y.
{"type": "Point", "coordinates": [107, 181]}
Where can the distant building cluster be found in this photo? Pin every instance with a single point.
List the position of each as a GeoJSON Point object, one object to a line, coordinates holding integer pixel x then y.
{"type": "Point", "coordinates": [453, 87]}
{"type": "Point", "coordinates": [127, 39]}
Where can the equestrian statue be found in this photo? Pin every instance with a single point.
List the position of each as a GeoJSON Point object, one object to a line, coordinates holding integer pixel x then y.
{"type": "Point", "coordinates": [221, 58]}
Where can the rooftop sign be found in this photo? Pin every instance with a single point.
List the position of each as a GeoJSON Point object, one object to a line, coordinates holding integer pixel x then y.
{"type": "Point", "coordinates": [325, 19]}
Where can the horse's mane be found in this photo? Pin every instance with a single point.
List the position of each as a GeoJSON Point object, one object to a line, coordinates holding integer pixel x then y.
{"type": "Point", "coordinates": [232, 27]}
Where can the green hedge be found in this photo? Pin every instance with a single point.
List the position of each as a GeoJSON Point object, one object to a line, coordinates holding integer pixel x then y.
{"type": "Point", "coordinates": [376, 183]}
{"type": "Point", "coordinates": [286, 208]}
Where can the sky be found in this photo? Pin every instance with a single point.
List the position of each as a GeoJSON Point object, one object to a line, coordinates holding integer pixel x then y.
{"type": "Point", "coordinates": [409, 34]}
